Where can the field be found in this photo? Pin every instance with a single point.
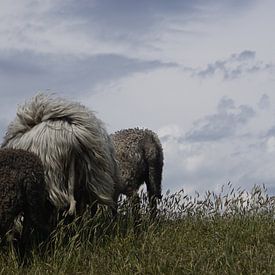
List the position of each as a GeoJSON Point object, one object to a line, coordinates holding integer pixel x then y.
{"type": "Point", "coordinates": [232, 232]}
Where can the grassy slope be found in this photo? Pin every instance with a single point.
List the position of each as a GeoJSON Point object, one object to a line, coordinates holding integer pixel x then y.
{"type": "Point", "coordinates": [197, 243]}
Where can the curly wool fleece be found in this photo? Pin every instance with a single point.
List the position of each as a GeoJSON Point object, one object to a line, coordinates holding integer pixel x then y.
{"type": "Point", "coordinates": [74, 147]}
{"type": "Point", "coordinates": [22, 190]}
{"type": "Point", "coordinates": [140, 157]}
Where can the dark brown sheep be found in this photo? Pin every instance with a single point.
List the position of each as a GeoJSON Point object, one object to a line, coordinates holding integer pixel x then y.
{"type": "Point", "coordinates": [23, 192]}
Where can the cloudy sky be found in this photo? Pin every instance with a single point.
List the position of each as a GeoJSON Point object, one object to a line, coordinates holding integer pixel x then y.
{"type": "Point", "coordinates": [200, 73]}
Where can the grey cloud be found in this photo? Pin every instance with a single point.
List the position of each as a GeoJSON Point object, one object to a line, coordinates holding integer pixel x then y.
{"type": "Point", "coordinates": [264, 102]}
{"type": "Point", "coordinates": [211, 69]}
{"type": "Point", "coordinates": [128, 25]}
{"type": "Point", "coordinates": [125, 15]}
{"type": "Point", "coordinates": [225, 104]}
{"type": "Point", "coordinates": [244, 56]}
{"type": "Point", "coordinates": [20, 63]}
{"type": "Point", "coordinates": [120, 20]}
{"type": "Point", "coordinates": [260, 67]}
{"type": "Point", "coordinates": [222, 124]}
{"type": "Point", "coordinates": [236, 65]}
{"type": "Point", "coordinates": [270, 132]}
{"type": "Point", "coordinates": [132, 20]}
{"type": "Point", "coordinates": [27, 71]}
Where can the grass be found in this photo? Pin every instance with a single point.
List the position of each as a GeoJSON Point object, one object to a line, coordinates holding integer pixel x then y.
{"type": "Point", "coordinates": [232, 232]}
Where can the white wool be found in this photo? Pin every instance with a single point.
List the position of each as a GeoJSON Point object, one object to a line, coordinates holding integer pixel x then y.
{"type": "Point", "coordinates": [73, 145]}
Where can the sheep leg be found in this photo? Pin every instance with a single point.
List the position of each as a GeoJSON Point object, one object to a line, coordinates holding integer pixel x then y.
{"type": "Point", "coordinates": [115, 198]}
{"type": "Point", "coordinates": [39, 215]}
{"type": "Point", "coordinates": [93, 209]}
{"type": "Point", "coordinates": [72, 209]}
{"type": "Point", "coordinates": [25, 241]}
{"type": "Point", "coordinates": [153, 206]}
{"type": "Point", "coordinates": [154, 189]}
{"type": "Point", "coordinates": [71, 183]}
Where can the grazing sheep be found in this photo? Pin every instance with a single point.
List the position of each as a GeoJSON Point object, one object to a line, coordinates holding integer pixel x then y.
{"type": "Point", "coordinates": [22, 191]}
{"type": "Point", "coordinates": [140, 157]}
{"type": "Point", "coordinates": [74, 147]}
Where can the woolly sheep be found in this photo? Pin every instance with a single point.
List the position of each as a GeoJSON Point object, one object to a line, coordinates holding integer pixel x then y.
{"type": "Point", "coordinates": [140, 159]}
{"type": "Point", "coordinates": [74, 147]}
{"type": "Point", "coordinates": [22, 191]}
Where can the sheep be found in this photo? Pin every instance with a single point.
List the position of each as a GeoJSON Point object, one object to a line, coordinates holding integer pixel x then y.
{"type": "Point", "coordinates": [140, 159]}
{"type": "Point", "coordinates": [74, 147]}
{"type": "Point", "coordinates": [23, 192]}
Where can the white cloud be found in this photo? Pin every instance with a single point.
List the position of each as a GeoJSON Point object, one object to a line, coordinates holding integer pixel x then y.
{"type": "Point", "coordinates": [208, 166]}
{"type": "Point", "coordinates": [194, 163]}
{"type": "Point", "coordinates": [167, 131]}
{"type": "Point", "coordinates": [270, 145]}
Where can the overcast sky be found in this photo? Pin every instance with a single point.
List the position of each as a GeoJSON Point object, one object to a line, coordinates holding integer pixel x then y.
{"type": "Point", "coordinates": [200, 73]}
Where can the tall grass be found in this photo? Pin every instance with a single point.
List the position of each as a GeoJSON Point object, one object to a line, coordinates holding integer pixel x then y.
{"type": "Point", "coordinates": [232, 232]}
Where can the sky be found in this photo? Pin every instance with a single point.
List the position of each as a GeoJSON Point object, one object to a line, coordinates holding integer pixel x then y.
{"type": "Point", "coordinates": [200, 73]}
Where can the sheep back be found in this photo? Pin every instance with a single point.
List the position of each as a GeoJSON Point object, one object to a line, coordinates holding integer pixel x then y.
{"type": "Point", "coordinates": [72, 144]}
{"type": "Point", "coordinates": [22, 189]}
{"type": "Point", "coordinates": [140, 157]}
